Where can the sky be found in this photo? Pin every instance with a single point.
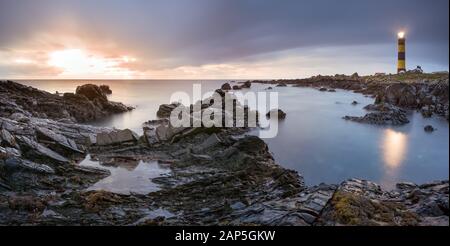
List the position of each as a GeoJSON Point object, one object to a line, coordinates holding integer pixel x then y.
{"type": "Point", "coordinates": [217, 39]}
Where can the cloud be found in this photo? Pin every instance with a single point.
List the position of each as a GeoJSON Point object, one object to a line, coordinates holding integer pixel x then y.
{"type": "Point", "coordinates": [172, 35]}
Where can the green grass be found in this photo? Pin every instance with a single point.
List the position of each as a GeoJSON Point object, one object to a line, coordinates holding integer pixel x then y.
{"type": "Point", "coordinates": [410, 77]}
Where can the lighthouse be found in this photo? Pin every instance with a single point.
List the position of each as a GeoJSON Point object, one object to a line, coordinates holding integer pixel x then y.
{"type": "Point", "coordinates": [401, 62]}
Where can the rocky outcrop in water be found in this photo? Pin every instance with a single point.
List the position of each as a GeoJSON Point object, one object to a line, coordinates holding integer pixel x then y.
{"type": "Point", "coordinates": [105, 89]}
{"type": "Point", "coordinates": [165, 110]}
{"type": "Point", "coordinates": [381, 114]}
{"type": "Point", "coordinates": [243, 85]}
{"type": "Point", "coordinates": [87, 104]}
{"type": "Point", "coordinates": [280, 114]}
{"type": "Point", "coordinates": [226, 87]}
{"type": "Point", "coordinates": [429, 128]}
{"type": "Point", "coordinates": [429, 98]}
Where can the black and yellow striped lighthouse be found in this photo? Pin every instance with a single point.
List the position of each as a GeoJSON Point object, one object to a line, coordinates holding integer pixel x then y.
{"type": "Point", "coordinates": [401, 62]}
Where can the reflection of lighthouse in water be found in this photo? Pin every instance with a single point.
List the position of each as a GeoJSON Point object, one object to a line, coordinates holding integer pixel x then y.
{"type": "Point", "coordinates": [401, 62]}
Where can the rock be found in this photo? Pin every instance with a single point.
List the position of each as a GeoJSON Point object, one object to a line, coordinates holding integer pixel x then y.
{"type": "Point", "coordinates": [9, 152]}
{"type": "Point", "coordinates": [236, 87]}
{"type": "Point", "coordinates": [252, 145]}
{"type": "Point", "coordinates": [269, 88]}
{"type": "Point", "coordinates": [278, 112]}
{"type": "Point", "coordinates": [429, 128]}
{"type": "Point", "coordinates": [211, 141]}
{"type": "Point", "coordinates": [246, 84]}
{"type": "Point", "coordinates": [3, 153]}
{"type": "Point", "coordinates": [405, 186]}
{"type": "Point", "coordinates": [34, 149]}
{"type": "Point", "coordinates": [92, 92]}
{"type": "Point", "coordinates": [26, 203]}
{"type": "Point", "coordinates": [22, 102]}
{"type": "Point", "coordinates": [323, 89]}
{"type": "Point", "coordinates": [117, 137]}
{"type": "Point", "coordinates": [383, 114]}
{"type": "Point", "coordinates": [105, 89]}
{"type": "Point", "coordinates": [19, 117]}
{"type": "Point", "coordinates": [48, 213]}
{"type": "Point", "coordinates": [281, 84]}
{"type": "Point", "coordinates": [398, 94]}
{"type": "Point", "coordinates": [355, 75]}
{"type": "Point", "coordinates": [16, 164]}
{"type": "Point", "coordinates": [149, 129]}
{"type": "Point", "coordinates": [166, 132]}
{"type": "Point", "coordinates": [331, 90]}
{"type": "Point", "coordinates": [201, 157]}
{"type": "Point", "coordinates": [426, 111]}
{"type": "Point", "coordinates": [226, 87]}
{"type": "Point", "coordinates": [355, 103]}
{"type": "Point", "coordinates": [165, 110]}
{"type": "Point", "coordinates": [237, 206]}
{"type": "Point", "coordinates": [48, 135]}
{"type": "Point", "coordinates": [6, 138]}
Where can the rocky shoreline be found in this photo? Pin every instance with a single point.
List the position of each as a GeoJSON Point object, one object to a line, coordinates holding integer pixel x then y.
{"type": "Point", "coordinates": [218, 175]}
{"type": "Point", "coordinates": [394, 94]}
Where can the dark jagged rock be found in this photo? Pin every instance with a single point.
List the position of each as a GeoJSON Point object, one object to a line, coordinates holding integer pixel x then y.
{"type": "Point", "coordinates": [116, 137]}
{"type": "Point", "coordinates": [92, 92]}
{"type": "Point", "coordinates": [34, 150]}
{"type": "Point", "coordinates": [226, 87]}
{"type": "Point", "coordinates": [360, 202]}
{"type": "Point", "coordinates": [399, 94]}
{"type": "Point", "coordinates": [58, 140]}
{"type": "Point", "coordinates": [105, 89]}
{"type": "Point", "coordinates": [282, 84]}
{"type": "Point", "coordinates": [165, 110]}
{"type": "Point", "coordinates": [246, 84]}
{"type": "Point", "coordinates": [89, 103]}
{"type": "Point", "coordinates": [429, 128]}
{"type": "Point", "coordinates": [382, 114]}
{"type": "Point", "coordinates": [280, 114]}
{"type": "Point", "coordinates": [15, 164]}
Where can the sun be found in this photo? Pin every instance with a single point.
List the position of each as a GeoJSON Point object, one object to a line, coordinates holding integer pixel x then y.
{"type": "Point", "coordinates": [78, 62]}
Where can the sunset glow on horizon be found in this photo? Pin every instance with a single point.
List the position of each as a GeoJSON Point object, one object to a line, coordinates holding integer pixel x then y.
{"type": "Point", "coordinates": [76, 62]}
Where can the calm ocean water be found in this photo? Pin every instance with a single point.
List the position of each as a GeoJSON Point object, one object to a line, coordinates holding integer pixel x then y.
{"type": "Point", "coordinates": [313, 139]}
